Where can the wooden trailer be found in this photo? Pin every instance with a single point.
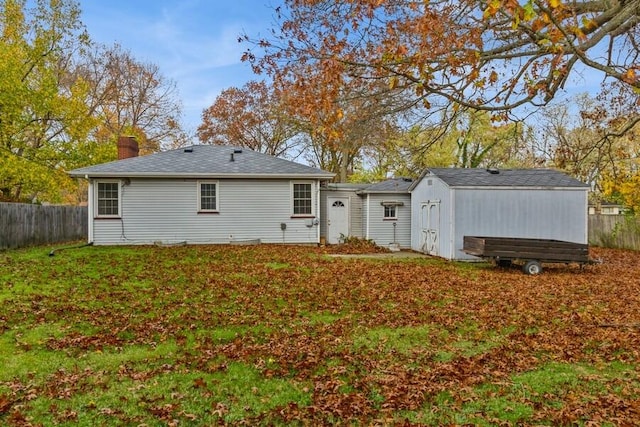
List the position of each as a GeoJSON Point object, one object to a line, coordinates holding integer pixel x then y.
{"type": "Point", "coordinates": [531, 252]}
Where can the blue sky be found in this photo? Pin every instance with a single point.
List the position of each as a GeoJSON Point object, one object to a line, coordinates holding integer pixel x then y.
{"type": "Point", "coordinates": [194, 42]}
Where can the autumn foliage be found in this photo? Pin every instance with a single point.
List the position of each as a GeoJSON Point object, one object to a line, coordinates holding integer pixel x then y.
{"type": "Point", "coordinates": [426, 62]}
{"type": "Point", "coordinates": [220, 335]}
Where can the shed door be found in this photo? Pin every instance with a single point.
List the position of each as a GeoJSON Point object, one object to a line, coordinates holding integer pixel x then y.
{"type": "Point", "coordinates": [430, 227]}
{"type": "Point", "coordinates": [337, 219]}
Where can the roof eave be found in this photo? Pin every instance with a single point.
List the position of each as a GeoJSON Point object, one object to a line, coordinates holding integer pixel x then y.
{"type": "Point", "coordinates": [93, 175]}
{"type": "Point", "coordinates": [384, 192]}
{"type": "Point", "coordinates": [517, 187]}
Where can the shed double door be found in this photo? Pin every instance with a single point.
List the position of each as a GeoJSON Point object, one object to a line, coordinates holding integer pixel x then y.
{"type": "Point", "coordinates": [430, 227]}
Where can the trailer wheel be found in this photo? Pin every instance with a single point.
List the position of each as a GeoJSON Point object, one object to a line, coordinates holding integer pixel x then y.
{"type": "Point", "coordinates": [532, 267]}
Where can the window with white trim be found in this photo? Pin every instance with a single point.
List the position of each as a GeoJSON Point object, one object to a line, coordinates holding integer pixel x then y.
{"type": "Point", "coordinates": [208, 196]}
{"type": "Point", "coordinates": [108, 199]}
{"type": "Point", "coordinates": [390, 212]}
{"type": "Point", "coordinates": [302, 198]}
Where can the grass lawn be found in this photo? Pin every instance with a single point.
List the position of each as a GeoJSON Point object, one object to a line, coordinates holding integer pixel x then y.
{"type": "Point", "coordinates": [271, 335]}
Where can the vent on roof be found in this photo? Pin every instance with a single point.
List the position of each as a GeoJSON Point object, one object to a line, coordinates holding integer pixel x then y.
{"type": "Point", "coordinates": [493, 171]}
{"type": "Point", "coordinates": [237, 150]}
{"type": "Point", "coordinates": [188, 150]}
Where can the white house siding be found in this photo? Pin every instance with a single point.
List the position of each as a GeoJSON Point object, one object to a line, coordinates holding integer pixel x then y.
{"type": "Point", "coordinates": [167, 210]}
{"type": "Point", "coordinates": [355, 210]}
{"type": "Point", "coordinates": [381, 230]}
{"type": "Point", "coordinates": [547, 213]}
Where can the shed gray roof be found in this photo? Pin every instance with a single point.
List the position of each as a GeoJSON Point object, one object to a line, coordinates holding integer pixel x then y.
{"type": "Point", "coordinates": [394, 185]}
{"type": "Point", "coordinates": [480, 177]}
{"type": "Point", "coordinates": [210, 161]}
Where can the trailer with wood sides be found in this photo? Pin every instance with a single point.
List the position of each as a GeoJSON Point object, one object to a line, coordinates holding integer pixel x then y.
{"type": "Point", "coordinates": [530, 252]}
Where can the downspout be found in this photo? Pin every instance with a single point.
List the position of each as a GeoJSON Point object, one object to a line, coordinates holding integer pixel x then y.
{"type": "Point", "coordinates": [586, 216]}
{"type": "Point", "coordinates": [452, 221]}
{"type": "Point", "coordinates": [368, 216]}
{"type": "Point", "coordinates": [317, 222]}
{"type": "Point", "coordinates": [90, 208]}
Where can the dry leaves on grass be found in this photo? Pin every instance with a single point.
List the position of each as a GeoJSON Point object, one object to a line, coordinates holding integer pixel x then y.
{"type": "Point", "coordinates": [365, 339]}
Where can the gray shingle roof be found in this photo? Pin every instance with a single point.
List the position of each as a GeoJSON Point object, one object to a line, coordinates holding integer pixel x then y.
{"type": "Point", "coordinates": [479, 177]}
{"type": "Point", "coordinates": [395, 185]}
{"type": "Point", "coordinates": [203, 161]}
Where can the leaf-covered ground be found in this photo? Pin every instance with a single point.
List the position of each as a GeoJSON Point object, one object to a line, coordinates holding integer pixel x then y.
{"type": "Point", "coordinates": [289, 335]}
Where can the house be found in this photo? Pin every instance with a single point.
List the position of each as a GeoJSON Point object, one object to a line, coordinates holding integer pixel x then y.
{"type": "Point", "coordinates": [449, 203]}
{"type": "Point", "coordinates": [341, 210]}
{"type": "Point", "coordinates": [387, 212]}
{"type": "Point", "coordinates": [606, 208]}
{"type": "Point", "coordinates": [202, 194]}
{"type": "Point", "coordinates": [380, 212]}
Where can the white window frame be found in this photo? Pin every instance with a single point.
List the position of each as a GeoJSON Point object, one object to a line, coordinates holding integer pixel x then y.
{"type": "Point", "coordinates": [97, 213]}
{"type": "Point", "coordinates": [313, 200]}
{"type": "Point", "coordinates": [389, 206]}
{"type": "Point", "coordinates": [217, 184]}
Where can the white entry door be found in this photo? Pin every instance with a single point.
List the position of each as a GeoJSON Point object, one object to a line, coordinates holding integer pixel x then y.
{"type": "Point", "coordinates": [430, 227]}
{"type": "Point", "coordinates": [337, 219]}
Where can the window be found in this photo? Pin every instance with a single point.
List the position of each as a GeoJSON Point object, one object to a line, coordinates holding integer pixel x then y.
{"type": "Point", "coordinates": [207, 196]}
{"type": "Point", "coordinates": [302, 199]}
{"type": "Point", "coordinates": [390, 212]}
{"type": "Point", "coordinates": [108, 199]}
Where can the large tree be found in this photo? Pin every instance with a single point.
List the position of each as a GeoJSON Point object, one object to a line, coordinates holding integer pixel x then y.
{"type": "Point", "coordinates": [64, 101]}
{"type": "Point", "coordinates": [252, 116]}
{"type": "Point", "coordinates": [130, 97]}
{"type": "Point", "coordinates": [471, 140]}
{"type": "Point", "coordinates": [494, 55]}
{"type": "Point", "coordinates": [580, 138]}
{"type": "Point", "coordinates": [42, 112]}
{"type": "Point", "coordinates": [341, 122]}
{"type": "Point", "coordinates": [479, 142]}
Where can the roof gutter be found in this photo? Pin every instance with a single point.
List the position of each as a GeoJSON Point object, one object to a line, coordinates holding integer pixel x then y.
{"type": "Point", "coordinates": [515, 187]}
{"type": "Point", "coordinates": [197, 175]}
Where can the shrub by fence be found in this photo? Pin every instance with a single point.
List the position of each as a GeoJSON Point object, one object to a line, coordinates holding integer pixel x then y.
{"type": "Point", "coordinates": [614, 231]}
{"type": "Point", "coordinates": [28, 225]}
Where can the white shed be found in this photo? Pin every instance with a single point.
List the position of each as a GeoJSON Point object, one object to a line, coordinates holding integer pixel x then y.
{"type": "Point", "coordinates": [449, 203]}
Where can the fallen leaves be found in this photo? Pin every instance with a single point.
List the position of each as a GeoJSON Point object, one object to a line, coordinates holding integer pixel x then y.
{"type": "Point", "coordinates": [361, 340]}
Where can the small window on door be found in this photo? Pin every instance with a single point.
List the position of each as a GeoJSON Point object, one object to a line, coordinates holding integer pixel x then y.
{"type": "Point", "coordinates": [338, 204]}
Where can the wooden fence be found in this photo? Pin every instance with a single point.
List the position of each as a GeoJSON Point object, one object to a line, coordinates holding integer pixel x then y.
{"type": "Point", "coordinates": [614, 231]}
{"type": "Point", "coordinates": [28, 225]}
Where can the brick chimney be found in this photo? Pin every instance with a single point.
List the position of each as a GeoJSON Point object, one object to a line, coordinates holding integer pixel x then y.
{"type": "Point", "coordinates": [127, 147]}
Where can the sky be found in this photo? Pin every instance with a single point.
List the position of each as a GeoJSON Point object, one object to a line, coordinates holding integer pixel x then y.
{"type": "Point", "coordinates": [193, 42]}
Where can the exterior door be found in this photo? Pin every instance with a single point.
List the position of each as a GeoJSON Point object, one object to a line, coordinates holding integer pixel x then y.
{"type": "Point", "coordinates": [337, 219]}
{"type": "Point", "coordinates": [430, 227]}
